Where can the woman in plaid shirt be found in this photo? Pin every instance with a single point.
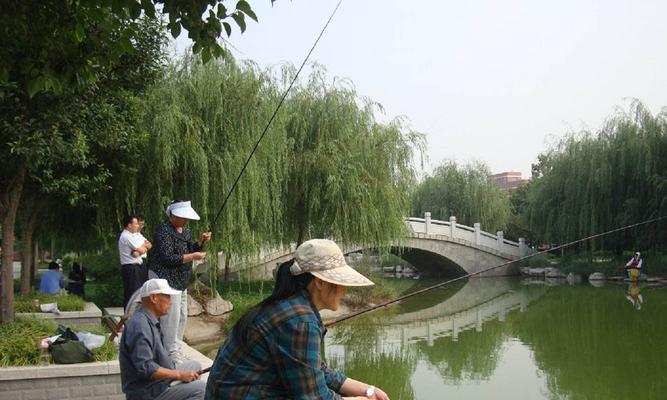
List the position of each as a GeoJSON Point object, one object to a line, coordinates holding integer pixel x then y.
{"type": "Point", "coordinates": [273, 351]}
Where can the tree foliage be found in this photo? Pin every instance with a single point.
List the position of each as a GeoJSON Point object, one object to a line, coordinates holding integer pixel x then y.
{"type": "Point", "coordinates": [593, 182]}
{"type": "Point", "coordinates": [463, 191]}
{"type": "Point", "coordinates": [325, 168]}
{"type": "Point", "coordinates": [71, 148]}
{"type": "Point", "coordinates": [348, 174]}
{"type": "Point", "coordinates": [53, 45]}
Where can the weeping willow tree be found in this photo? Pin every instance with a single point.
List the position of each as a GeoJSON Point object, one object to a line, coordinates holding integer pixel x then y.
{"type": "Point", "coordinates": [203, 120]}
{"type": "Point", "coordinates": [349, 175]}
{"type": "Point", "coordinates": [464, 191]}
{"type": "Point", "coordinates": [325, 168]}
{"type": "Point", "coordinates": [593, 182]}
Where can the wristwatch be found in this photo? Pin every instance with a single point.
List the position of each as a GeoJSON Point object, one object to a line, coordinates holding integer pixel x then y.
{"type": "Point", "coordinates": [370, 392]}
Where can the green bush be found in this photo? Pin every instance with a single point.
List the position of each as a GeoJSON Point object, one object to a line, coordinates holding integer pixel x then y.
{"type": "Point", "coordinates": [655, 264]}
{"type": "Point", "coordinates": [103, 266]}
{"type": "Point", "coordinates": [25, 303]}
{"type": "Point", "coordinates": [543, 260]}
{"type": "Point", "coordinates": [105, 294]}
{"type": "Point", "coordinates": [19, 342]}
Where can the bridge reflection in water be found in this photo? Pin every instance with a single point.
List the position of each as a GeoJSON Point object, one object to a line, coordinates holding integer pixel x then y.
{"type": "Point", "coordinates": [478, 301]}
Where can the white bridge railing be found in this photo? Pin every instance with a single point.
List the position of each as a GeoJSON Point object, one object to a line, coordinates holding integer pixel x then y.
{"type": "Point", "coordinates": [471, 236]}
{"type": "Point", "coordinates": [426, 228]}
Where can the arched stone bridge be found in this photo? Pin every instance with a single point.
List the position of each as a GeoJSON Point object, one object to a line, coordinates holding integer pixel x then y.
{"type": "Point", "coordinates": [438, 245]}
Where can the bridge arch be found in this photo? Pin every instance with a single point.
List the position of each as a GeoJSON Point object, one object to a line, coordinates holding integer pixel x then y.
{"type": "Point", "coordinates": [448, 243]}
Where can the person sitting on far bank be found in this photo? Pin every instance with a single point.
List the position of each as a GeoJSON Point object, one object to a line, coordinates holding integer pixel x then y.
{"type": "Point", "coordinates": [131, 248]}
{"type": "Point", "coordinates": [274, 349]}
{"type": "Point", "coordinates": [52, 281]}
{"type": "Point", "coordinates": [146, 371]}
{"type": "Point", "coordinates": [171, 259]}
{"type": "Point", "coordinates": [76, 280]}
{"type": "Point", "coordinates": [634, 266]}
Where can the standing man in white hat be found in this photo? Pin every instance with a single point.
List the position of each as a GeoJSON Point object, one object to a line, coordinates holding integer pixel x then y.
{"type": "Point", "coordinates": [173, 253]}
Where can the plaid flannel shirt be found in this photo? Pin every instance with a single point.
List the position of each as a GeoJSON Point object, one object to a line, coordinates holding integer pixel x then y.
{"type": "Point", "coordinates": [283, 360]}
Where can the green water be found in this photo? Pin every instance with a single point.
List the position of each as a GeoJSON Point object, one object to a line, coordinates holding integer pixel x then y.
{"type": "Point", "coordinates": [496, 338]}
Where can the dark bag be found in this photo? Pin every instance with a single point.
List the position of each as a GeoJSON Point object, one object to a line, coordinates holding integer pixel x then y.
{"type": "Point", "coordinates": [67, 349]}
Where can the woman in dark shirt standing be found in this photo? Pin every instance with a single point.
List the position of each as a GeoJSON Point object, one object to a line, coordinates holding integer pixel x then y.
{"type": "Point", "coordinates": [171, 259]}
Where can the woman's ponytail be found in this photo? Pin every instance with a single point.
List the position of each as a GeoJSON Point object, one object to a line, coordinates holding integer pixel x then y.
{"type": "Point", "coordinates": [286, 285]}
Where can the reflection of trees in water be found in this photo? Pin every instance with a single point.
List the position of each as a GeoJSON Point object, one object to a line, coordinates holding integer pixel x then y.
{"type": "Point", "coordinates": [593, 345]}
{"type": "Point", "coordinates": [366, 358]}
{"type": "Point", "coordinates": [473, 357]}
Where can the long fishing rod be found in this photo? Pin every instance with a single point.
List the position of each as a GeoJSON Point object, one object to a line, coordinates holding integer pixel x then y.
{"type": "Point", "coordinates": [472, 274]}
{"type": "Point", "coordinates": [275, 112]}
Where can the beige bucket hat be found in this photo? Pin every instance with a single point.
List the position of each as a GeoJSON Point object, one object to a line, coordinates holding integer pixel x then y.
{"type": "Point", "coordinates": [324, 259]}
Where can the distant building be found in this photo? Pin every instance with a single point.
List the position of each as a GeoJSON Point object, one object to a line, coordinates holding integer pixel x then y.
{"type": "Point", "coordinates": [509, 180]}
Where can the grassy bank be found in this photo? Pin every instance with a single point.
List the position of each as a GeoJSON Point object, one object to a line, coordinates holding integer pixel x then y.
{"type": "Point", "coordinates": [26, 303]}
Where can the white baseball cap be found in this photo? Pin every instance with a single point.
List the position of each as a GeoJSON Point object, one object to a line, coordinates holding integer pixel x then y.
{"type": "Point", "coordinates": [182, 209]}
{"type": "Point", "coordinates": [156, 286]}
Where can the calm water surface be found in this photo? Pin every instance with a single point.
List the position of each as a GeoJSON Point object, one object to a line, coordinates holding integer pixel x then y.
{"type": "Point", "coordinates": [496, 338]}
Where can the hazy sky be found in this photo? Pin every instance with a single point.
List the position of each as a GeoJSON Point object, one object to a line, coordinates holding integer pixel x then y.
{"type": "Point", "coordinates": [494, 81]}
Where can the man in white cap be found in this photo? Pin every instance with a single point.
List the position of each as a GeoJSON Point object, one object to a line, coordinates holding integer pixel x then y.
{"type": "Point", "coordinates": [147, 372]}
{"type": "Point", "coordinates": [171, 259]}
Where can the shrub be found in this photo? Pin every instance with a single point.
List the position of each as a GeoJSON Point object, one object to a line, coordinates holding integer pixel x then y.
{"type": "Point", "coordinates": [105, 294]}
{"type": "Point", "coordinates": [103, 266]}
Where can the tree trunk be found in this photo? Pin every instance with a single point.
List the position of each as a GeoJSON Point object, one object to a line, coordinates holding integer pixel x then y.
{"type": "Point", "coordinates": [28, 216]}
{"type": "Point", "coordinates": [26, 261]}
{"type": "Point", "coordinates": [35, 261]}
{"type": "Point", "coordinates": [10, 204]}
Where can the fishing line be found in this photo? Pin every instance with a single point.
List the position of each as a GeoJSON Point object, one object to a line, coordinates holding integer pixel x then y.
{"type": "Point", "coordinates": [275, 112]}
{"type": "Point", "coordinates": [470, 275]}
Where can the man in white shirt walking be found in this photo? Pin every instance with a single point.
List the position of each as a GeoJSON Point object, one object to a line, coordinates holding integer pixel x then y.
{"type": "Point", "coordinates": [132, 247]}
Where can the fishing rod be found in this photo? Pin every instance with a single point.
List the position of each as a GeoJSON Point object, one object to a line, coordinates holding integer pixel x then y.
{"type": "Point", "coordinates": [275, 112]}
{"type": "Point", "coordinates": [472, 274]}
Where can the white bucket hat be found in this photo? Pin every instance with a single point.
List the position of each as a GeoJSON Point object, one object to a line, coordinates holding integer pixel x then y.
{"type": "Point", "coordinates": [182, 209]}
{"type": "Point", "coordinates": [156, 286]}
{"type": "Point", "coordinates": [324, 259]}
